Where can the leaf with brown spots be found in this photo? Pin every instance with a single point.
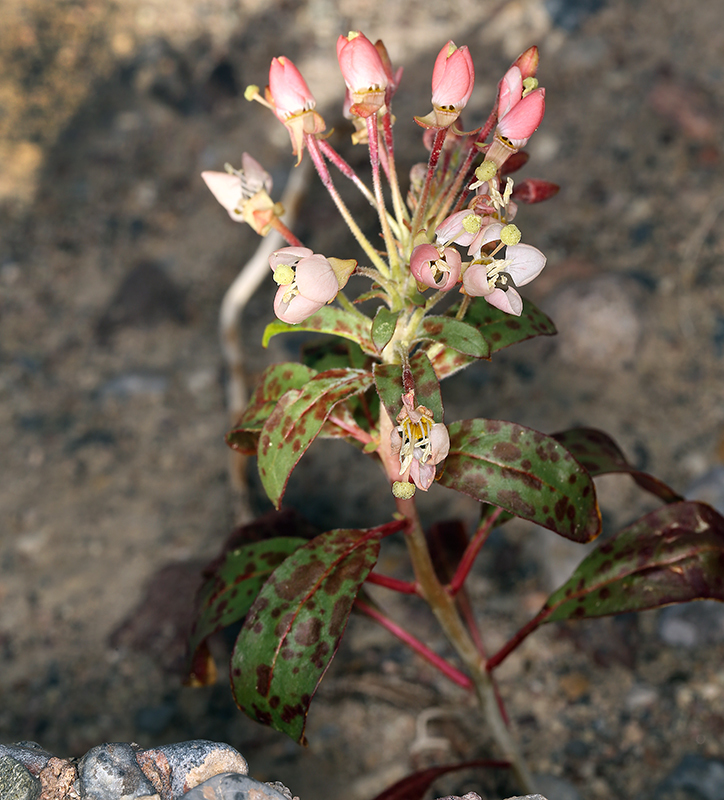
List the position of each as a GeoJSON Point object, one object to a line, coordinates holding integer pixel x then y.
{"type": "Point", "coordinates": [330, 319]}
{"type": "Point", "coordinates": [497, 328]}
{"type": "Point", "coordinates": [296, 422]}
{"type": "Point", "coordinates": [275, 381]}
{"type": "Point", "coordinates": [672, 555]}
{"type": "Point", "coordinates": [454, 334]}
{"type": "Point", "coordinates": [525, 472]}
{"type": "Point", "coordinates": [227, 594]}
{"type": "Point", "coordinates": [599, 454]}
{"type": "Point", "coordinates": [388, 382]}
{"type": "Point", "coordinates": [294, 628]}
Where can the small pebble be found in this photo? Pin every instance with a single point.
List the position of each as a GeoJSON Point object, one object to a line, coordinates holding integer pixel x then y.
{"type": "Point", "coordinates": [233, 786]}
{"type": "Point", "coordinates": [193, 762]}
{"type": "Point", "coordinates": [30, 754]}
{"type": "Point", "coordinates": [111, 771]}
{"type": "Point", "coordinates": [16, 783]}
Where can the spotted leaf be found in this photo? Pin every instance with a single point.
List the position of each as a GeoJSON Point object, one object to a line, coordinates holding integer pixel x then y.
{"type": "Point", "coordinates": [497, 328]}
{"type": "Point", "coordinates": [388, 382]}
{"type": "Point", "coordinates": [383, 326]}
{"type": "Point", "coordinates": [293, 630]}
{"type": "Point", "coordinates": [330, 319]}
{"type": "Point", "coordinates": [227, 594]}
{"type": "Point", "coordinates": [456, 335]}
{"type": "Point", "coordinates": [525, 472]}
{"type": "Point", "coordinates": [672, 555]}
{"type": "Point", "coordinates": [296, 421]}
{"type": "Point", "coordinates": [275, 381]}
{"type": "Point", "coordinates": [599, 454]}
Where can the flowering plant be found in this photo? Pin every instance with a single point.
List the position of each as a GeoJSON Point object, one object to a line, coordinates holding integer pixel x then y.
{"type": "Point", "coordinates": [452, 235]}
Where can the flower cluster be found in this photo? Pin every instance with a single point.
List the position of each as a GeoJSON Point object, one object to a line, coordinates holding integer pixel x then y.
{"type": "Point", "coordinates": [453, 230]}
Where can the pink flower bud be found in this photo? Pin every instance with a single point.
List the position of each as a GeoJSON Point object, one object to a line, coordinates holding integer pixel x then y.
{"type": "Point", "coordinates": [510, 90]}
{"type": "Point", "coordinates": [435, 269]}
{"type": "Point", "coordinates": [453, 77]}
{"type": "Point", "coordinates": [527, 62]}
{"type": "Point", "coordinates": [360, 62]}
{"type": "Point", "coordinates": [518, 125]}
{"type": "Point", "coordinates": [289, 92]}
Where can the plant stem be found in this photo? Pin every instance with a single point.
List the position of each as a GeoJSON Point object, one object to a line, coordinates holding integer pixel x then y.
{"type": "Point", "coordinates": [415, 644]}
{"type": "Point", "coordinates": [396, 585]}
{"type": "Point", "coordinates": [319, 164]}
{"type": "Point", "coordinates": [443, 607]}
{"type": "Point", "coordinates": [390, 244]}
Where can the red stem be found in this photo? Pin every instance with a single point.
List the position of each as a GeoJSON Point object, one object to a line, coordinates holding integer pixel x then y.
{"type": "Point", "coordinates": [448, 670]}
{"type": "Point", "coordinates": [471, 552]}
{"type": "Point", "coordinates": [435, 151]}
{"type": "Point", "coordinates": [511, 644]}
{"type": "Point", "coordinates": [404, 587]}
{"type": "Point", "coordinates": [289, 237]}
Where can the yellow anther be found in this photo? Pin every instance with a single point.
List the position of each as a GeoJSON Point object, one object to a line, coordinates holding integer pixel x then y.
{"type": "Point", "coordinates": [403, 490]}
{"type": "Point", "coordinates": [510, 234]}
{"type": "Point", "coordinates": [472, 223]}
{"type": "Point", "coordinates": [284, 275]}
{"type": "Point", "coordinates": [251, 92]}
{"type": "Point", "coordinates": [486, 171]}
{"type": "Point", "coordinates": [529, 84]}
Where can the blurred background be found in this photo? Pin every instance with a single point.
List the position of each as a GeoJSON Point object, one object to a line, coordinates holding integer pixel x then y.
{"type": "Point", "coordinates": [114, 258]}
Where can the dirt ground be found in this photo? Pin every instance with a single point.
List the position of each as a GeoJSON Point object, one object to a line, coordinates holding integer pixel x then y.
{"type": "Point", "coordinates": [114, 258]}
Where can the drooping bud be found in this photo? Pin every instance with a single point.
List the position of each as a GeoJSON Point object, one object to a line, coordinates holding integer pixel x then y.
{"type": "Point", "coordinates": [364, 73]}
{"type": "Point", "coordinates": [293, 103]}
{"type": "Point", "coordinates": [307, 281]}
{"type": "Point", "coordinates": [453, 78]}
{"type": "Point", "coordinates": [527, 62]}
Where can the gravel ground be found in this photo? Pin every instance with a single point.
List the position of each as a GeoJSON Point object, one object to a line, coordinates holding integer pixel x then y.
{"type": "Point", "coordinates": [113, 262]}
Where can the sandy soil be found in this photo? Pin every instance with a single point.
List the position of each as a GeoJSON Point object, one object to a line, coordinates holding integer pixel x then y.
{"type": "Point", "coordinates": [114, 259]}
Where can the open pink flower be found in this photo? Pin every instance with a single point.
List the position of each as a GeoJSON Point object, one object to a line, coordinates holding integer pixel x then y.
{"type": "Point", "coordinates": [496, 279]}
{"type": "Point", "coordinates": [437, 268]}
{"type": "Point", "coordinates": [453, 78]}
{"type": "Point", "coordinates": [364, 73]}
{"type": "Point", "coordinates": [419, 442]}
{"type": "Point", "coordinates": [235, 187]}
{"type": "Point", "coordinates": [306, 281]}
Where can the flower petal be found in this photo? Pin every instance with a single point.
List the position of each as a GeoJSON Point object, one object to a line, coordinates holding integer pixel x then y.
{"type": "Point", "coordinates": [296, 310]}
{"type": "Point", "coordinates": [527, 263]}
{"type": "Point", "coordinates": [316, 279]}
{"type": "Point", "coordinates": [288, 255]}
{"type": "Point", "coordinates": [226, 189]}
{"type": "Point", "coordinates": [508, 301]}
{"type": "Point", "coordinates": [475, 280]}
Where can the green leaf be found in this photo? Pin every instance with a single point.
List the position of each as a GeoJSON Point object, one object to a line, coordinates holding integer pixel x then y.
{"type": "Point", "coordinates": [297, 420]}
{"type": "Point", "coordinates": [333, 320]}
{"type": "Point", "coordinates": [497, 328]}
{"type": "Point", "coordinates": [227, 595]}
{"type": "Point", "coordinates": [524, 472]}
{"type": "Point", "coordinates": [427, 386]}
{"type": "Point", "coordinates": [456, 335]}
{"type": "Point", "coordinates": [275, 381]}
{"type": "Point", "coordinates": [293, 630]}
{"type": "Point", "coordinates": [333, 353]}
{"type": "Point", "coordinates": [672, 555]}
{"type": "Point", "coordinates": [599, 454]}
{"type": "Point", "coordinates": [383, 326]}
{"type": "Point", "coordinates": [388, 382]}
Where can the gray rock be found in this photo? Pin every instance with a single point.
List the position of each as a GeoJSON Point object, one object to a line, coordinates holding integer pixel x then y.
{"type": "Point", "coordinates": [696, 777]}
{"type": "Point", "coordinates": [233, 786]}
{"type": "Point", "coordinates": [709, 488]}
{"type": "Point", "coordinates": [30, 754]}
{"type": "Point", "coordinates": [16, 783]}
{"type": "Point", "coordinates": [111, 772]}
{"type": "Point", "coordinates": [187, 764]}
